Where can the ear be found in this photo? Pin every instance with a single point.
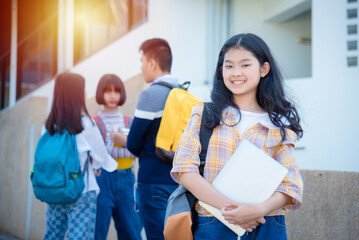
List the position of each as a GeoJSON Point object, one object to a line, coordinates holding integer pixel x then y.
{"type": "Point", "coordinates": [152, 63]}
{"type": "Point", "coordinates": [265, 69]}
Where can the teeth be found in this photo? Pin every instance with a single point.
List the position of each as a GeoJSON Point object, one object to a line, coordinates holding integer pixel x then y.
{"type": "Point", "coordinates": [238, 81]}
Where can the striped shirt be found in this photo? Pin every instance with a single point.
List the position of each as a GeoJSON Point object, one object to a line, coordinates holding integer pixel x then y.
{"type": "Point", "coordinates": [224, 142]}
{"type": "Point", "coordinates": [114, 120]}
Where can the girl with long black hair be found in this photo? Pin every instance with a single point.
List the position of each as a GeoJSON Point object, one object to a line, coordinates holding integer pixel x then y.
{"type": "Point", "coordinates": [248, 102]}
{"type": "Point", "coordinates": [68, 112]}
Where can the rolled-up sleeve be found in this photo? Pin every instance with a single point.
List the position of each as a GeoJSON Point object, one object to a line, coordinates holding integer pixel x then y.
{"type": "Point", "coordinates": [186, 158]}
{"type": "Point", "coordinates": [292, 185]}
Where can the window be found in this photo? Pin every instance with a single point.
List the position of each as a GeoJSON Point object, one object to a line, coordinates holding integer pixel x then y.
{"type": "Point", "coordinates": [352, 13]}
{"type": "Point", "coordinates": [352, 61]}
{"type": "Point", "coordinates": [37, 44]}
{"type": "Point", "coordinates": [352, 29]}
{"type": "Point", "coordinates": [5, 28]}
{"type": "Point", "coordinates": [99, 23]}
{"type": "Point", "coordinates": [352, 45]}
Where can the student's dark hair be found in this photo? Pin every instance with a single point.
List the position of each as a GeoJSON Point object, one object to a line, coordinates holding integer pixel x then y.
{"type": "Point", "coordinates": [67, 105]}
{"type": "Point", "coordinates": [105, 83]}
{"type": "Point", "coordinates": [160, 51]}
{"type": "Point", "coordinates": [270, 91]}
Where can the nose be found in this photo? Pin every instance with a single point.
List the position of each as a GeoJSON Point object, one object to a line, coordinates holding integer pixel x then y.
{"type": "Point", "coordinates": [236, 71]}
{"type": "Point", "coordinates": [113, 94]}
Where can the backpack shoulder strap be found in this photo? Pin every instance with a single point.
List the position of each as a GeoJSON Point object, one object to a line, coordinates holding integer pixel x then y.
{"type": "Point", "coordinates": [128, 121]}
{"type": "Point", "coordinates": [184, 85]}
{"type": "Point", "coordinates": [204, 136]}
{"type": "Point", "coordinates": [166, 84]}
{"type": "Point", "coordinates": [101, 126]}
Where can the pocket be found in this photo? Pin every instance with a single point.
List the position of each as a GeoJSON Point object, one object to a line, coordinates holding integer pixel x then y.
{"type": "Point", "coordinates": [206, 221]}
{"type": "Point", "coordinates": [279, 221]}
{"type": "Point", "coordinates": [159, 197]}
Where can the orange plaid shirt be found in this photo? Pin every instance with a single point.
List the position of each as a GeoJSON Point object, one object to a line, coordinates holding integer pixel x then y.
{"type": "Point", "coordinates": [224, 142]}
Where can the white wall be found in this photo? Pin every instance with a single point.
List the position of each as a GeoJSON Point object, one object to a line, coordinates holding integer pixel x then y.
{"type": "Point", "coordinates": [330, 98]}
{"type": "Point", "coordinates": [181, 23]}
{"type": "Point", "coordinates": [282, 37]}
{"type": "Point", "coordinates": [327, 98]}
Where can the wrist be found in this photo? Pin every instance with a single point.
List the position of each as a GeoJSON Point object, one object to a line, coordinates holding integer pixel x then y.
{"type": "Point", "coordinates": [263, 209]}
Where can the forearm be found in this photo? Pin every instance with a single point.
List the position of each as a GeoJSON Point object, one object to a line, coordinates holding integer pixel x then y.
{"type": "Point", "coordinates": [247, 214]}
{"type": "Point", "coordinates": [203, 190]}
{"type": "Point", "coordinates": [119, 152]}
{"type": "Point", "coordinates": [277, 201]}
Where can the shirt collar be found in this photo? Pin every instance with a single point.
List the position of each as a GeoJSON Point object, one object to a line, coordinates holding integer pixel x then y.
{"type": "Point", "coordinates": [230, 117]}
{"type": "Point", "coordinates": [166, 78]}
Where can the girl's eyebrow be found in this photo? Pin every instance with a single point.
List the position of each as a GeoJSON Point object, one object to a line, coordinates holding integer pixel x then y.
{"type": "Point", "coordinates": [243, 60]}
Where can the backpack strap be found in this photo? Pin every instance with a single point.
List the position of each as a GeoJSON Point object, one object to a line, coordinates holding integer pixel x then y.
{"type": "Point", "coordinates": [166, 84]}
{"type": "Point", "coordinates": [101, 126]}
{"type": "Point", "coordinates": [128, 121]}
{"type": "Point", "coordinates": [184, 85]}
{"type": "Point", "coordinates": [204, 136]}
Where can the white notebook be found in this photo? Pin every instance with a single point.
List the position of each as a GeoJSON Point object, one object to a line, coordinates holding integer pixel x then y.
{"type": "Point", "coordinates": [249, 176]}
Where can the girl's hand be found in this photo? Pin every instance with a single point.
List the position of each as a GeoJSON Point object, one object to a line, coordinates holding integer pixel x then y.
{"type": "Point", "coordinates": [97, 172]}
{"type": "Point", "coordinates": [118, 138]}
{"type": "Point", "coordinates": [248, 216]}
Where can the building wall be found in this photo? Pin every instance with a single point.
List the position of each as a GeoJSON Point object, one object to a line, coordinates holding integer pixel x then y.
{"type": "Point", "coordinates": [328, 100]}
{"type": "Point", "coordinates": [186, 37]}
{"type": "Point", "coordinates": [15, 160]}
{"type": "Point", "coordinates": [282, 37]}
{"type": "Point", "coordinates": [330, 209]}
{"type": "Point", "coordinates": [323, 87]}
{"type": "Point", "coordinates": [20, 211]}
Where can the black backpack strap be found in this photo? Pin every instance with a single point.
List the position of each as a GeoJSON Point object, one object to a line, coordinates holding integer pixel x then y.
{"type": "Point", "coordinates": [166, 84]}
{"type": "Point", "coordinates": [204, 136]}
{"type": "Point", "coordinates": [184, 85]}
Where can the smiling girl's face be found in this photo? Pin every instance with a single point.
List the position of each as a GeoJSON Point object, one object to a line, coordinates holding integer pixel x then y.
{"type": "Point", "coordinates": [112, 98]}
{"type": "Point", "coordinates": [241, 73]}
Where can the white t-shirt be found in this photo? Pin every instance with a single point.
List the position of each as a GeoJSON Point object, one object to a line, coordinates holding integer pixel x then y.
{"type": "Point", "coordinates": [250, 119]}
{"type": "Point", "coordinates": [90, 139]}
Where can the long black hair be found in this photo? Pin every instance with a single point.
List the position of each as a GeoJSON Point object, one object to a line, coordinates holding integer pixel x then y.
{"type": "Point", "coordinates": [67, 105]}
{"type": "Point", "coordinates": [270, 91]}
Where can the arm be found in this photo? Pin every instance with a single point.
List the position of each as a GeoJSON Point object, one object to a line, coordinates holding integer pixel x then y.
{"type": "Point", "coordinates": [135, 138]}
{"type": "Point", "coordinates": [203, 190]}
{"type": "Point", "coordinates": [146, 111]}
{"type": "Point", "coordinates": [118, 150]}
{"type": "Point", "coordinates": [185, 168]}
{"type": "Point", "coordinates": [244, 214]}
{"type": "Point", "coordinates": [97, 147]}
{"type": "Point", "coordinates": [288, 194]}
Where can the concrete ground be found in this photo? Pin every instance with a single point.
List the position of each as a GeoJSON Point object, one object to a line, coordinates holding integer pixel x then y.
{"type": "Point", "coordinates": [4, 236]}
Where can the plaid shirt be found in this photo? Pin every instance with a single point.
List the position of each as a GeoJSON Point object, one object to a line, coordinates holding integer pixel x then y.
{"type": "Point", "coordinates": [224, 142]}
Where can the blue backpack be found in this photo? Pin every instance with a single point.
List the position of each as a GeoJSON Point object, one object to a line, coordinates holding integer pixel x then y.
{"type": "Point", "coordinates": [56, 175]}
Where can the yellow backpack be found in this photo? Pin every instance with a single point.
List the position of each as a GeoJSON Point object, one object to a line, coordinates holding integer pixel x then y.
{"type": "Point", "coordinates": [176, 114]}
